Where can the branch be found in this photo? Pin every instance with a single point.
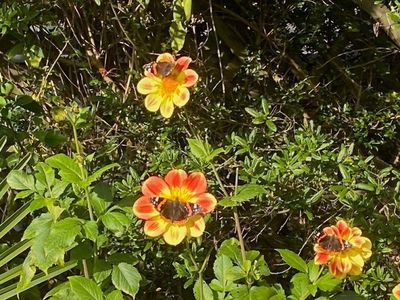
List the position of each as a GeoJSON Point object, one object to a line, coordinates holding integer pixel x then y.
{"type": "Point", "coordinates": [379, 13]}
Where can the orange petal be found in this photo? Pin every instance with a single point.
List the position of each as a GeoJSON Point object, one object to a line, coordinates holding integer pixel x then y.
{"type": "Point", "coordinates": [167, 108]}
{"type": "Point", "coordinates": [335, 271]}
{"type": "Point", "coordinates": [144, 209]}
{"type": "Point", "coordinates": [191, 77]}
{"type": "Point", "coordinates": [181, 97]}
{"type": "Point", "coordinates": [329, 230]}
{"type": "Point", "coordinates": [152, 102]}
{"type": "Point", "coordinates": [165, 57]}
{"type": "Point", "coordinates": [155, 187]}
{"type": "Point", "coordinates": [195, 226]}
{"type": "Point", "coordinates": [196, 183]}
{"type": "Point", "coordinates": [206, 201]}
{"type": "Point", "coordinates": [155, 226]}
{"type": "Point", "coordinates": [322, 258]}
{"type": "Point", "coordinates": [343, 264]}
{"type": "Point", "coordinates": [182, 63]}
{"type": "Point", "coordinates": [343, 229]}
{"type": "Point", "coordinates": [174, 234]}
{"type": "Point", "coordinates": [148, 85]}
{"type": "Point", "coordinates": [175, 178]}
{"type": "Point", "coordinates": [396, 292]}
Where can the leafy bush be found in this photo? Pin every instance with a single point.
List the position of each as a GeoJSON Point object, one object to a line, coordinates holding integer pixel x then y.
{"type": "Point", "coordinates": [293, 121]}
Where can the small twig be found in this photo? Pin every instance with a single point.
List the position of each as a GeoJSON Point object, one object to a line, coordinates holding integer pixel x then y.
{"type": "Point", "coordinates": [221, 70]}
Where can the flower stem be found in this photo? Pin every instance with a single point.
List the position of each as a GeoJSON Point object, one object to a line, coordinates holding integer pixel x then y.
{"type": "Point", "coordinates": [235, 212]}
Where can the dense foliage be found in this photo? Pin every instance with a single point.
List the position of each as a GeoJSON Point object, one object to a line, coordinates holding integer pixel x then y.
{"type": "Point", "coordinates": [295, 122]}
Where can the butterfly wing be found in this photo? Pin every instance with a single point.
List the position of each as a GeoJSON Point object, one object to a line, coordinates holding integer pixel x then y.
{"type": "Point", "coordinates": [174, 211]}
{"type": "Point", "coordinates": [331, 243]}
{"type": "Point", "coordinates": [164, 68]}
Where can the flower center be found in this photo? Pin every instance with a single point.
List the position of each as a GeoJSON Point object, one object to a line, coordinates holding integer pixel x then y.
{"type": "Point", "coordinates": [169, 85]}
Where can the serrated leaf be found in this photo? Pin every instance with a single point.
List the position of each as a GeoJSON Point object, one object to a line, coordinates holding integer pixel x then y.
{"type": "Point", "coordinates": [293, 260]}
{"type": "Point", "coordinates": [85, 289]}
{"type": "Point", "coordinates": [327, 282]}
{"type": "Point", "coordinates": [91, 230]}
{"type": "Point", "coordinates": [207, 292]}
{"type": "Point", "coordinates": [45, 175]}
{"type": "Point", "coordinates": [126, 278]}
{"type": "Point", "coordinates": [115, 295]}
{"type": "Point", "coordinates": [96, 175]}
{"type": "Point", "coordinates": [19, 180]}
{"type": "Point", "coordinates": [198, 148]}
{"type": "Point", "coordinates": [69, 168]}
{"type": "Point", "coordinates": [116, 222]}
{"type": "Point", "coordinates": [178, 33]}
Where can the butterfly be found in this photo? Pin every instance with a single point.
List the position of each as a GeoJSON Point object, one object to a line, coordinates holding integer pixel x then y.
{"type": "Point", "coordinates": [333, 243]}
{"type": "Point", "coordinates": [162, 69]}
{"type": "Point", "coordinates": [175, 210]}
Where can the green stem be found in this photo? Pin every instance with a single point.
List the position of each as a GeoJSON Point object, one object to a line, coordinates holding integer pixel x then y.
{"type": "Point", "coordinates": [82, 168]}
{"type": "Point", "coordinates": [235, 212]}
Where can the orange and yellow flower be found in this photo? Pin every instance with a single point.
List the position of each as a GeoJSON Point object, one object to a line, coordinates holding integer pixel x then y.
{"type": "Point", "coordinates": [396, 292]}
{"type": "Point", "coordinates": [189, 190]}
{"type": "Point", "coordinates": [350, 258]}
{"type": "Point", "coordinates": [163, 92]}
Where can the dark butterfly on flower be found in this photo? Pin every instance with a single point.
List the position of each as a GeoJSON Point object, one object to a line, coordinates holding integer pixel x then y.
{"type": "Point", "coordinates": [333, 243]}
{"type": "Point", "coordinates": [175, 210]}
{"type": "Point", "coordinates": [162, 69]}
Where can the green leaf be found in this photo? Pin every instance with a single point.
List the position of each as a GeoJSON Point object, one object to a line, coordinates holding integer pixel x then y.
{"type": "Point", "coordinates": [293, 260]}
{"type": "Point", "coordinates": [244, 193]}
{"type": "Point", "coordinates": [115, 295]}
{"type": "Point", "coordinates": [261, 293]}
{"type": "Point", "coordinates": [271, 125]}
{"type": "Point", "coordinates": [348, 295]}
{"type": "Point", "coordinates": [116, 222]}
{"type": "Point", "coordinates": [198, 148]}
{"type": "Point", "coordinates": [19, 180]}
{"type": "Point", "coordinates": [178, 33]}
{"type": "Point", "coordinates": [207, 292]}
{"type": "Point", "coordinates": [50, 239]}
{"type": "Point", "coordinates": [85, 289]}
{"type": "Point", "coordinates": [344, 172]}
{"type": "Point", "coordinates": [69, 168]}
{"type": "Point", "coordinates": [327, 282]}
{"type": "Point", "coordinates": [300, 286]}
{"type": "Point", "coordinates": [365, 186]}
{"type": "Point", "coordinates": [221, 267]}
{"type": "Point", "coordinates": [45, 175]}
{"type": "Point", "coordinates": [96, 175]}
{"type": "Point", "coordinates": [126, 278]}
{"type": "Point", "coordinates": [315, 198]}
{"type": "Point", "coordinates": [187, 7]}
{"type": "Point", "coordinates": [91, 230]}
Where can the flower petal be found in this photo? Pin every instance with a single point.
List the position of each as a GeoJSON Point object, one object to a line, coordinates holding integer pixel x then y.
{"type": "Point", "coordinates": [181, 96]}
{"type": "Point", "coordinates": [155, 187]}
{"type": "Point", "coordinates": [175, 178]}
{"type": "Point", "coordinates": [152, 102]}
{"type": "Point", "coordinates": [195, 226]}
{"type": "Point", "coordinates": [322, 258]}
{"type": "Point", "coordinates": [191, 77]}
{"type": "Point", "coordinates": [155, 226]}
{"type": "Point", "coordinates": [182, 63]}
{"type": "Point", "coordinates": [396, 292]}
{"type": "Point", "coordinates": [148, 85]}
{"type": "Point", "coordinates": [167, 108]}
{"type": "Point", "coordinates": [335, 271]}
{"type": "Point", "coordinates": [165, 57]}
{"type": "Point", "coordinates": [343, 229]}
{"type": "Point", "coordinates": [174, 234]}
{"type": "Point", "coordinates": [207, 202]}
{"type": "Point", "coordinates": [196, 183]}
{"type": "Point", "coordinates": [144, 209]}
